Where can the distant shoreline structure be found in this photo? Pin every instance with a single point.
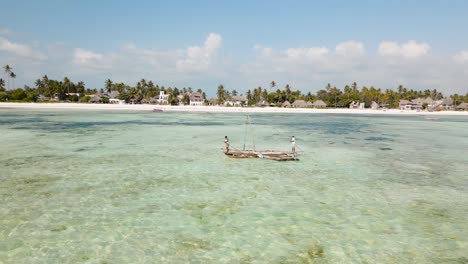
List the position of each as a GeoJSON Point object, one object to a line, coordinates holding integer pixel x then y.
{"type": "Point", "coordinates": [219, 109]}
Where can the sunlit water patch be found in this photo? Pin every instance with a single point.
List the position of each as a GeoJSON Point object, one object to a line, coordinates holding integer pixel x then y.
{"type": "Point", "coordinates": [139, 187]}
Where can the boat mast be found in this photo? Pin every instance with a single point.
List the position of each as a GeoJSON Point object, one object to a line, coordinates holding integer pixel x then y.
{"type": "Point", "coordinates": [248, 123]}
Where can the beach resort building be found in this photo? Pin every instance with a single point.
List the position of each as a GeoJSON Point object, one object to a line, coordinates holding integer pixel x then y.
{"type": "Point", "coordinates": [299, 104]}
{"type": "Point", "coordinates": [356, 105]}
{"type": "Point", "coordinates": [286, 104]}
{"type": "Point", "coordinates": [262, 102]}
{"type": "Point", "coordinates": [213, 102]}
{"type": "Point", "coordinates": [163, 98]}
{"type": "Point", "coordinates": [462, 107]}
{"type": "Point", "coordinates": [446, 103]}
{"type": "Point", "coordinates": [95, 98]}
{"type": "Point", "coordinates": [40, 97]}
{"type": "Point", "coordinates": [113, 98]}
{"type": "Point", "coordinates": [236, 100]}
{"type": "Point", "coordinates": [319, 104]}
{"type": "Point", "coordinates": [196, 99]}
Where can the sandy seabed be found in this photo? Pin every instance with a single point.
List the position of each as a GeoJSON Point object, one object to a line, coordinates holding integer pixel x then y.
{"type": "Point", "coordinates": [168, 108]}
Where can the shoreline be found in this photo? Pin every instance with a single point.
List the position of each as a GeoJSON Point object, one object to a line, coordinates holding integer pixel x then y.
{"type": "Point", "coordinates": [218, 109]}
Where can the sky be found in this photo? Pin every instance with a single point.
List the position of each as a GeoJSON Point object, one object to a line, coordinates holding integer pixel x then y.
{"type": "Point", "coordinates": [240, 44]}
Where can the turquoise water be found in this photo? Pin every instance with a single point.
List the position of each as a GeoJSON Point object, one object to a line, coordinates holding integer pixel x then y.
{"type": "Point", "coordinates": [140, 187]}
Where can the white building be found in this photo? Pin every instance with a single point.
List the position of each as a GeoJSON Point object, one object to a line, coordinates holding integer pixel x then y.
{"type": "Point", "coordinates": [163, 98]}
{"type": "Point", "coordinates": [236, 100]}
{"type": "Point", "coordinates": [357, 105]}
{"type": "Point", "coordinates": [196, 99]}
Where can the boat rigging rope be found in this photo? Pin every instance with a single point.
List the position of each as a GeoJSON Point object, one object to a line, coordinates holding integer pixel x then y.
{"type": "Point", "coordinates": [251, 133]}
{"type": "Point", "coordinates": [248, 123]}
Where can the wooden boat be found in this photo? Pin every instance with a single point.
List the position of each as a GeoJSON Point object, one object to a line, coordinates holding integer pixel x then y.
{"type": "Point", "coordinates": [276, 155]}
{"type": "Point", "coordinates": [262, 154]}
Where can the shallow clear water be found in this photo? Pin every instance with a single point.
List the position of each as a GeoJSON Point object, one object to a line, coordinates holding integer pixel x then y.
{"type": "Point", "coordinates": [137, 187]}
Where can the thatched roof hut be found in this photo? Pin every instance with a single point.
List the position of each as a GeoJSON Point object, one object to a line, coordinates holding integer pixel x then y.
{"type": "Point", "coordinates": [299, 103]}
{"type": "Point", "coordinates": [95, 98]}
{"type": "Point", "coordinates": [319, 104]}
{"type": "Point", "coordinates": [213, 101]}
{"type": "Point", "coordinates": [286, 104]}
{"type": "Point", "coordinates": [463, 106]}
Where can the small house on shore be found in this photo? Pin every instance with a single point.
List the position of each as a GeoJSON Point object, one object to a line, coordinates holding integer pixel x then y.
{"type": "Point", "coordinates": [163, 98]}
{"type": "Point", "coordinates": [262, 102]}
{"type": "Point", "coordinates": [213, 102]}
{"type": "Point", "coordinates": [462, 107]}
{"type": "Point", "coordinates": [319, 104]}
{"type": "Point", "coordinates": [299, 104]}
{"type": "Point", "coordinates": [196, 99]}
{"type": "Point", "coordinates": [236, 100]}
{"type": "Point", "coordinates": [286, 104]}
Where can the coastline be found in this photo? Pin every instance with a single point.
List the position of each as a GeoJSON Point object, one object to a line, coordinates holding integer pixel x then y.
{"type": "Point", "coordinates": [218, 109]}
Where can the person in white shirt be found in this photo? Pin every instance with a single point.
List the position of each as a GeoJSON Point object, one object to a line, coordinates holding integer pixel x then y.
{"type": "Point", "coordinates": [293, 144]}
{"type": "Point", "coordinates": [226, 143]}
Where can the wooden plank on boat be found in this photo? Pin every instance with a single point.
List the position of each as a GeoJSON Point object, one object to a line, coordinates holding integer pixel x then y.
{"type": "Point", "coordinates": [265, 154]}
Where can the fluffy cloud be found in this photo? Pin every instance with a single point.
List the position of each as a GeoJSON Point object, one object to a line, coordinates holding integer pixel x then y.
{"type": "Point", "coordinates": [133, 60]}
{"type": "Point", "coordinates": [410, 49]}
{"type": "Point", "coordinates": [21, 50]}
{"type": "Point", "coordinates": [350, 49]}
{"type": "Point", "coordinates": [461, 57]}
{"type": "Point", "coordinates": [307, 54]}
{"type": "Point", "coordinates": [200, 58]}
{"type": "Point", "coordinates": [303, 61]}
{"type": "Point", "coordinates": [347, 62]}
{"type": "Point", "coordinates": [86, 58]}
{"type": "Point", "coordinates": [205, 66]}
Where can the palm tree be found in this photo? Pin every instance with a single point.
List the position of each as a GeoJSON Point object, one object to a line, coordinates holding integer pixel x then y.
{"type": "Point", "coordinates": [272, 85]}
{"type": "Point", "coordinates": [220, 93]}
{"type": "Point", "coordinates": [80, 87]}
{"type": "Point", "coordinates": [287, 92]}
{"type": "Point", "coordinates": [13, 76]}
{"type": "Point", "coordinates": [8, 69]}
{"type": "Point", "coordinates": [2, 85]}
{"type": "Point", "coordinates": [45, 83]}
{"type": "Point", "coordinates": [66, 84]}
{"type": "Point", "coordinates": [109, 85]}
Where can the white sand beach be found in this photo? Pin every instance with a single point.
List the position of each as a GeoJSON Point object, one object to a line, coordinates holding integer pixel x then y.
{"type": "Point", "coordinates": [168, 108]}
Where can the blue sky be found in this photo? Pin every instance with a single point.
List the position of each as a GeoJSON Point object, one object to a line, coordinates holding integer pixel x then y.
{"type": "Point", "coordinates": [242, 44]}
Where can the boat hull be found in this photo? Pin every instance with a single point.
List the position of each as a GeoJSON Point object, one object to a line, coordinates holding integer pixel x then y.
{"type": "Point", "coordinates": [262, 154]}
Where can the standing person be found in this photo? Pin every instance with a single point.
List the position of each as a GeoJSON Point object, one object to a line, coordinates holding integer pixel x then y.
{"type": "Point", "coordinates": [293, 144]}
{"type": "Point", "coordinates": [226, 143]}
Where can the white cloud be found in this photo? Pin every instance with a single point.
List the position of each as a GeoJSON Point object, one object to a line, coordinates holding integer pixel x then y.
{"type": "Point", "coordinates": [350, 49]}
{"type": "Point", "coordinates": [205, 66]}
{"type": "Point", "coordinates": [410, 49]}
{"type": "Point", "coordinates": [307, 54]}
{"type": "Point", "coordinates": [461, 57]}
{"type": "Point", "coordinates": [200, 58]}
{"type": "Point", "coordinates": [263, 51]}
{"type": "Point", "coordinates": [22, 50]}
{"type": "Point", "coordinates": [131, 60]}
{"type": "Point", "coordinates": [86, 58]}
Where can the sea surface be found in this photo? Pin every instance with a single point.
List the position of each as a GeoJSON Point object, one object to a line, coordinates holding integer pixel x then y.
{"type": "Point", "coordinates": [143, 187]}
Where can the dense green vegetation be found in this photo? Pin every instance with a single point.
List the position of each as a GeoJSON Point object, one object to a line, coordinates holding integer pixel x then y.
{"type": "Point", "coordinates": [335, 97]}
{"type": "Point", "coordinates": [66, 90]}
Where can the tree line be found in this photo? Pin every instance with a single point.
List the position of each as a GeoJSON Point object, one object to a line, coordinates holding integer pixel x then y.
{"type": "Point", "coordinates": [335, 97]}
{"type": "Point", "coordinates": [67, 90]}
